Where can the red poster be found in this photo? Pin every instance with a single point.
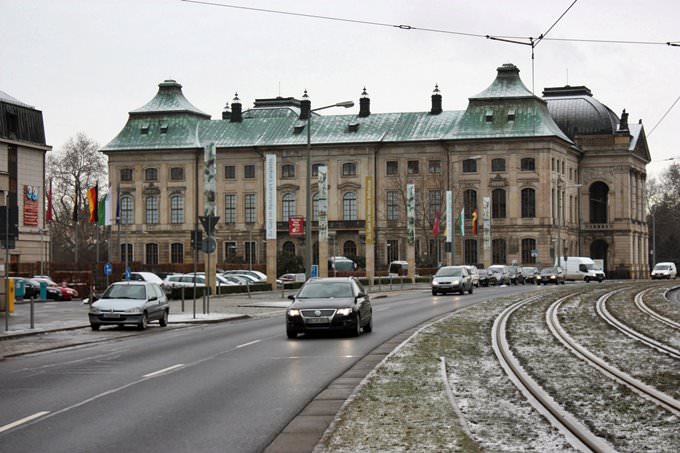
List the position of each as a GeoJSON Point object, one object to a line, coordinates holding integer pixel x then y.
{"type": "Point", "coordinates": [31, 205]}
{"type": "Point", "coordinates": [296, 226]}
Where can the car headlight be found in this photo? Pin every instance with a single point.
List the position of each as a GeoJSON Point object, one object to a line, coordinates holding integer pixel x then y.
{"type": "Point", "coordinates": [435, 283]}
{"type": "Point", "coordinates": [293, 312]}
{"type": "Point", "coordinates": [134, 310]}
{"type": "Point", "coordinates": [344, 311]}
{"type": "Point", "coordinates": [95, 310]}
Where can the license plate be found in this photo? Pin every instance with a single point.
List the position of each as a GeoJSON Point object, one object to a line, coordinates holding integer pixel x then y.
{"type": "Point", "coordinates": [111, 315]}
{"type": "Point", "coordinates": [317, 320]}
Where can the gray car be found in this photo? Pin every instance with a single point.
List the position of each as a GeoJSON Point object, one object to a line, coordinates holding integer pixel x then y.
{"type": "Point", "coordinates": [450, 279]}
{"type": "Point", "coordinates": [133, 302]}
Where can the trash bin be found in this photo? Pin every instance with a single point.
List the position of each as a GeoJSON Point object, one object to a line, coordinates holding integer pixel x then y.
{"type": "Point", "coordinates": [19, 288]}
{"type": "Point", "coordinates": [43, 290]}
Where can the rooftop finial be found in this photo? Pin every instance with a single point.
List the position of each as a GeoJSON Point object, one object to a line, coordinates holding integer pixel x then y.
{"type": "Point", "coordinates": [436, 89]}
{"type": "Point", "coordinates": [364, 93]}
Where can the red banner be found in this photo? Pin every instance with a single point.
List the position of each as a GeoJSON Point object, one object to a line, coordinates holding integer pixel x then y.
{"type": "Point", "coordinates": [296, 226]}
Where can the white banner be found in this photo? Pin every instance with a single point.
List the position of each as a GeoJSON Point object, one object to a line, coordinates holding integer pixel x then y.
{"type": "Point", "coordinates": [323, 203]}
{"type": "Point", "coordinates": [449, 216]}
{"type": "Point", "coordinates": [209, 180]}
{"type": "Point", "coordinates": [270, 196]}
{"type": "Point", "coordinates": [411, 213]}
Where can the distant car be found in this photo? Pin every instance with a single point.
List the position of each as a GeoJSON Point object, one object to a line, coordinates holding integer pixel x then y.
{"type": "Point", "coordinates": [664, 270]}
{"type": "Point", "coordinates": [499, 273]}
{"type": "Point", "coordinates": [452, 279]}
{"type": "Point", "coordinates": [255, 276]}
{"type": "Point", "coordinates": [483, 277]}
{"type": "Point", "coordinates": [327, 304]}
{"type": "Point", "coordinates": [66, 292]}
{"type": "Point", "coordinates": [145, 277]}
{"type": "Point", "coordinates": [289, 278]}
{"type": "Point", "coordinates": [516, 275]}
{"type": "Point", "coordinates": [553, 274]}
{"type": "Point", "coordinates": [397, 268]}
{"type": "Point", "coordinates": [133, 302]}
{"type": "Point", "coordinates": [530, 274]}
{"type": "Point", "coordinates": [474, 274]}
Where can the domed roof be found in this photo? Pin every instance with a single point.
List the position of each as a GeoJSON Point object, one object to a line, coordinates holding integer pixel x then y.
{"type": "Point", "coordinates": [169, 99]}
{"type": "Point", "coordinates": [577, 112]}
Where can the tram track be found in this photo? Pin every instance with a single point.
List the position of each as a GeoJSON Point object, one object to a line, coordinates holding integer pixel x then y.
{"type": "Point", "coordinates": [640, 304]}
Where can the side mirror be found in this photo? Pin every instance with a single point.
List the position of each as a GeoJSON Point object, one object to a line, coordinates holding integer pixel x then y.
{"type": "Point", "coordinates": [151, 299]}
{"type": "Point", "coordinates": [291, 297]}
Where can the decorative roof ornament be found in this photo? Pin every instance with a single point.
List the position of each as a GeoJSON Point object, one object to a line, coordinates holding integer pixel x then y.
{"type": "Point", "coordinates": [436, 89]}
{"type": "Point", "coordinates": [364, 104]}
{"type": "Point", "coordinates": [236, 100]}
{"type": "Point", "coordinates": [364, 93]}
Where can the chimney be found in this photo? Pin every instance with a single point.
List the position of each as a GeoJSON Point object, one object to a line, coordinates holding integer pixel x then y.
{"type": "Point", "coordinates": [623, 123]}
{"type": "Point", "coordinates": [436, 101]}
{"type": "Point", "coordinates": [364, 104]}
{"type": "Point", "coordinates": [305, 107]}
{"type": "Point", "coordinates": [236, 116]}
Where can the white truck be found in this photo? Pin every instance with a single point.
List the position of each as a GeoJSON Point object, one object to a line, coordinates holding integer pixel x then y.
{"type": "Point", "coordinates": [580, 268]}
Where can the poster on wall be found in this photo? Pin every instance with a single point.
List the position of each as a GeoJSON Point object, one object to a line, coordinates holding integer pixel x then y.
{"type": "Point", "coordinates": [31, 196]}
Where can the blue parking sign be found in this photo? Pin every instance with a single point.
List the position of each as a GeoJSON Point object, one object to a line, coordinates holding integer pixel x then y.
{"type": "Point", "coordinates": [107, 269]}
{"type": "Point", "coordinates": [315, 270]}
{"type": "Point", "coordinates": [127, 273]}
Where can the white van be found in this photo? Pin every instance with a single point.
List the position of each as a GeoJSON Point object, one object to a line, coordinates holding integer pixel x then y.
{"type": "Point", "coordinates": [397, 268]}
{"type": "Point", "coordinates": [664, 270]}
{"type": "Point", "coordinates": [581, 268]}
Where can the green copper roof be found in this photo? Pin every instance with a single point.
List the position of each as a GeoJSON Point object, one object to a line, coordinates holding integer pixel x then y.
{"type": "Point", "coordinates": [504, 110]}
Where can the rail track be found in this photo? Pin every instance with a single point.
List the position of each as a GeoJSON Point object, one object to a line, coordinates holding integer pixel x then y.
{"type": "Point", "coordinates": [640, 304]}
{"type": "Point", "coordinates": [574, 431]}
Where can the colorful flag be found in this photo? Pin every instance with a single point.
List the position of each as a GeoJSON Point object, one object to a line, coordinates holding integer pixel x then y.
{"type": "Point", "coordinates": [101, 210]}
{"type": "Point", "coordinates": [435, 228]}
{"type": "Point", "coordinates": [108, 220]}
{"type": "Point", "coordinates": [48, 214]}
{"type": "Point", "coordinates": [461, 222]}
{"type": "Point", "coordinates": [92, 198]}
{"type": "Point", "coordinates": [474, 222]}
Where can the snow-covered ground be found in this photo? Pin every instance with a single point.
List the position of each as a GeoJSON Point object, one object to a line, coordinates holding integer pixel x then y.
{"type": "Point", "coordinates": [403, 406]}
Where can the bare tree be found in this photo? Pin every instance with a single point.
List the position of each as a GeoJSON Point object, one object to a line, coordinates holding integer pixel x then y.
{"type": "Point", "coordinates": [72, 170]}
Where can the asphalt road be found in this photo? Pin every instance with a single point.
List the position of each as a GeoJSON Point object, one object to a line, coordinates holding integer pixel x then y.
{"type": "Point", "coordinates": [211, 388]}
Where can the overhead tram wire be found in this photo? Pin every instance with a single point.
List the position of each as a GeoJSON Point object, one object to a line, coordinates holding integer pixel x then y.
{"type": "Point", "coordinates": [663, 116]}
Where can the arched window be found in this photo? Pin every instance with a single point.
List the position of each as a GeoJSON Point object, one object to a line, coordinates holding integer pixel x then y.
{"type": "Point", "coordinates": [177, 253]}
{"type": "Point", "coordinates": [498, 249]}
{"type": "Point", "coordinates": [469, 202]}
{"type": "Point", "coordinates": [177, 208]}
{"type": "Point", "coordinates": [498, 165]}
{"type": "Point", "coordinates": [127, 210]}
{"type": "Point", "coordinates": [528, 203]}
{"type": "Point", "coordinates": [528, 164]}
{"type": "Point", "coordinates": [151, 209]}
{"type": "Point", "coordinates": [349, 206]}
{"type": "Point", "coordinates": [349, 169]}
{"type": "Point", "coordinates": [498, 204]}
{"type": "Point", "coordinates": [151, 253]}
{"type": "Point", "coordinates": [288, 206]}
{"type": "Point", "coordinates": [599, 193]}
{"type": "Point", "coordinates": [349, 249]}
{"type": "Point", "coordinates": [289, 248]}
{"type": "Point", "coordinates": [528, 246]}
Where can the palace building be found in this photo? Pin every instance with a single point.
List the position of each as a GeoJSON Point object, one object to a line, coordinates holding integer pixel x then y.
{"type": "Point", "coordinates": [555, 174]}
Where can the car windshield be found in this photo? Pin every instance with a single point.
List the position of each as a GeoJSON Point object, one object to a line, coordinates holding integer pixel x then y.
{"type": "Point", "coordinates": [125, 292]}
{"type": "Point", "coordinates": [449, 272]}
{"type": "Point", "coordinates": [325, 289]}
{"type": "Point", "coordinates": [662, 267]}
{"type": "Point", "coordinates": [549, 270]}
{"type": "Point", "coordinates": [530, 270]}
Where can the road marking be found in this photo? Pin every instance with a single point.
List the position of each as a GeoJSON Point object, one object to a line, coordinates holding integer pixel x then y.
{"type": "Point", "coordinates": [23, 420]}
{"type": "Point", "coordinates": [164, 370]}
{"type": "Point", "coordinates": [246, 344]}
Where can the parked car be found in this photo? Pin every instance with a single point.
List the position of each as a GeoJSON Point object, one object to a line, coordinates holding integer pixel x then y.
{"type": "Point", "coordinates": [289, 278]}
{"type": "Point", "coordinates": [255, 276]}
{"type": "Point", "coordinates": [483, 277]}
{"type": "Point", "coordinates": [450, 279]}
{"type": "Point", "coordinates": [326, 304]}
{"type": "Point", "coordinates": [397, 268]}
{"type": "Point", "coordinates": [530, 274]}
{"type": "Point", "coordinates": [499, 273]}
{"type": "Point", "coordinates": [553, 274]}
{"type": "Point", "coordinates": [515, 274]}
{"type": "Point", "coordinates": [130, 302]}
{"type": "Point", "coordinates": [664, 270]}
{"type": "Point", "coordinates": [66, 293]}
{"type": "Point", "coordinates": [474, 274]}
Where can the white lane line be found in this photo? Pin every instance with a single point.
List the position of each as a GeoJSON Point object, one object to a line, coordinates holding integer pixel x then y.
{"type": "Point", "coordinates": [246, 344]}
{"type": "Point", "coordinates": [164, 370]}
{"type": "Point", "coordinates": [23, 420]}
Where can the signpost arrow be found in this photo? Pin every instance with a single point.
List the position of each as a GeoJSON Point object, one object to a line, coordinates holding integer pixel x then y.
{"type": "Point", "coordinates": [209, 222]}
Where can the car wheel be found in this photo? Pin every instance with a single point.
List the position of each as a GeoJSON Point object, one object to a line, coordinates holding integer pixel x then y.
{"type": "Point", "coordinates": [357, 330]}
{"type": "Point", "coordinates": [95, 326]}
{"type": "Point", "coordinates": [471, 289]}
{"type": "Point", "coordinates": [164, 319]}
{"type": "Point", "coordinates": [462, 291]}
{"type": "Point", "coordinates": [587, 279]}
{"type": "Point", "coordinates": [434, 293]}
{"type": "Point", "coordinates": [143, 322]}
{"type": "Point", "coordinates": [368, 328]}
{"type": "Point", "coordinates": [291, 334]}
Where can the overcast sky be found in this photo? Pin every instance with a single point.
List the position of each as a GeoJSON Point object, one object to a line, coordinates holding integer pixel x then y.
{"type": "Point", "coordinates": [86, 64]}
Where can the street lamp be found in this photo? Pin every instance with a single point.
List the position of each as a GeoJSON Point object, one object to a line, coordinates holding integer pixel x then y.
{"type": "Point", "coordinates": [308, 221]}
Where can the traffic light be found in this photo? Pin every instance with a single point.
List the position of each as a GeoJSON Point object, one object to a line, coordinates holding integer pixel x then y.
{"type": "Point", "coordinates": [196, 239]}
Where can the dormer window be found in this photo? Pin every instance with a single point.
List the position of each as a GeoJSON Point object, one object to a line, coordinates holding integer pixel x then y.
{"type": "Point", "coordinates": [164, 128]}
{"type": "Point", "coordinates": [144, 130]}
{"type": "Point", "coordinates": [353, 127]}
{"type": "Point", "coordinates": [299, 127]}
{"type": "Point", "coordinates": [488, 117]}
{"type": "Point", "coordinates": [511, 115]}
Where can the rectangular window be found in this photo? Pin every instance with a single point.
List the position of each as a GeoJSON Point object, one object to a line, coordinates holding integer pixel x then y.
{"type": "Point", "coordinates": [471, 251]}
{"type": "Point", "coordinates": [435, 204]}
{"type": "Point", "coordinates": [126, 252]}
{"type": "Point", "coordinates": [250, 206]}
{"type": "Point", "coordinates": [151, 253]}
{"type": "Point", "coordinates": [126, 174]}
{"type": "Point", "coordinates": [412, 167]}
{"type": "Point", "coordinates": [349, 169]}
{"type": "Point", "coordinates": [392, 168]}
{"type": "Point", "coordinates": [288, 171]}
{"type": "Point", "coordinates": [230, 249]}
{"type": "Point", "coordinates": [392, 205]}
{"type": "Point", "coordinates": [249, 171]}
{"type": "Point", "coordinates": [229, 172]}
{"type": "Point", "coordinates": [152, 210]}
{"type": "Point", "coordinates": [435, 167]}
{"type": "Point", "coordinates": [151, 174]}
{"type": "Point", "coordinates": [251, 257]}
{"type": "Point", "coordinates": [498, 165]}
{"type": "Point", "coordinates": [177, 209]}
{"type": "Point", "coordinates": [392, 250]}
{"type": "Point", "coordinates": [177, 253]}
{"type": "Point", "coordinates": [470, 166]}
{"type": "Point", "coordinates": [177, 174]}
{"type": "Point", "coordinates": [230, 208]}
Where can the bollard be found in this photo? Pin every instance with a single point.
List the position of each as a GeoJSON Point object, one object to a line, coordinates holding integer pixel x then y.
{"type": "Point", "coordinates": [32, 312]}
{"type": "Point", "coordinates": [183, 288]}
{"type": "Point", "coordinates": [248, 288]}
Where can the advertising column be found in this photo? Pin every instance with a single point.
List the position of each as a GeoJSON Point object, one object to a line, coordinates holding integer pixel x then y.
{"type": "Point", "coordinates": [270, 216]}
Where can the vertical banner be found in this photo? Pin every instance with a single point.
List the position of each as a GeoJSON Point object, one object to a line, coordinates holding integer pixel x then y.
{"type": "Point", "coordinates": [270, 196]}
{"type": "Point", "coordinates": [411, 214]}
{"type": "Point", "coordinates": [323, 203]}
{"type": "Point", "coordinates": [368, 203]}
{"type": "Point", "coordinates": [449, 215]}
{"type": "Point", "coordinates": [209, 180]}
{"type": "Point", "coordinates": [31, 205]}
{"type": "Point", "coordinates": [486, 221]}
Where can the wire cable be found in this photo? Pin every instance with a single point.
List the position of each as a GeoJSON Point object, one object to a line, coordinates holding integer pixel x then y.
{"type": "Point", "coordinates": [663, 116]}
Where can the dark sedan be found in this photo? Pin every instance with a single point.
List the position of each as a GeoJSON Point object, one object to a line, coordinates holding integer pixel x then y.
{"type": "Point", "coordinates": [550, 275]}
{"type": "Point", "coordinates": [325, 304]}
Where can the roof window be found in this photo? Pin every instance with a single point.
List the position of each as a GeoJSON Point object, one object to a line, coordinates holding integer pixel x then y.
{"type": "Point", "coordinates": [353, 126]}
{"type": "Point", "coordinates": [144, 130]}
{"type": "Point", "coordinates": [511, 115]}
{"type": "Point", "coordinates": [164, 128]}
{"type": "Point", "coordinates": [299, 127]}
{"type": "Point", "coordinates": [488, 117]}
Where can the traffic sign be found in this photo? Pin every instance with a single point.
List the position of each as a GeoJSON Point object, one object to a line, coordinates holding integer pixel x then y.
{"type": "Point", "coordinates": [208, 245]}
{"type": "Point", "coordinates": [127, 273]}
{"type": "Point", "coordinates": [107, 269]}
{"type": "Point", "coordinates": [315, 270]}
{"type": "Point", "coordinates": [209, 222]}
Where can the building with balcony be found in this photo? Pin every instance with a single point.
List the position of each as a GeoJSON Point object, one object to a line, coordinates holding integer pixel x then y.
{"type": "Point", "coordinates": [561, 169]}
